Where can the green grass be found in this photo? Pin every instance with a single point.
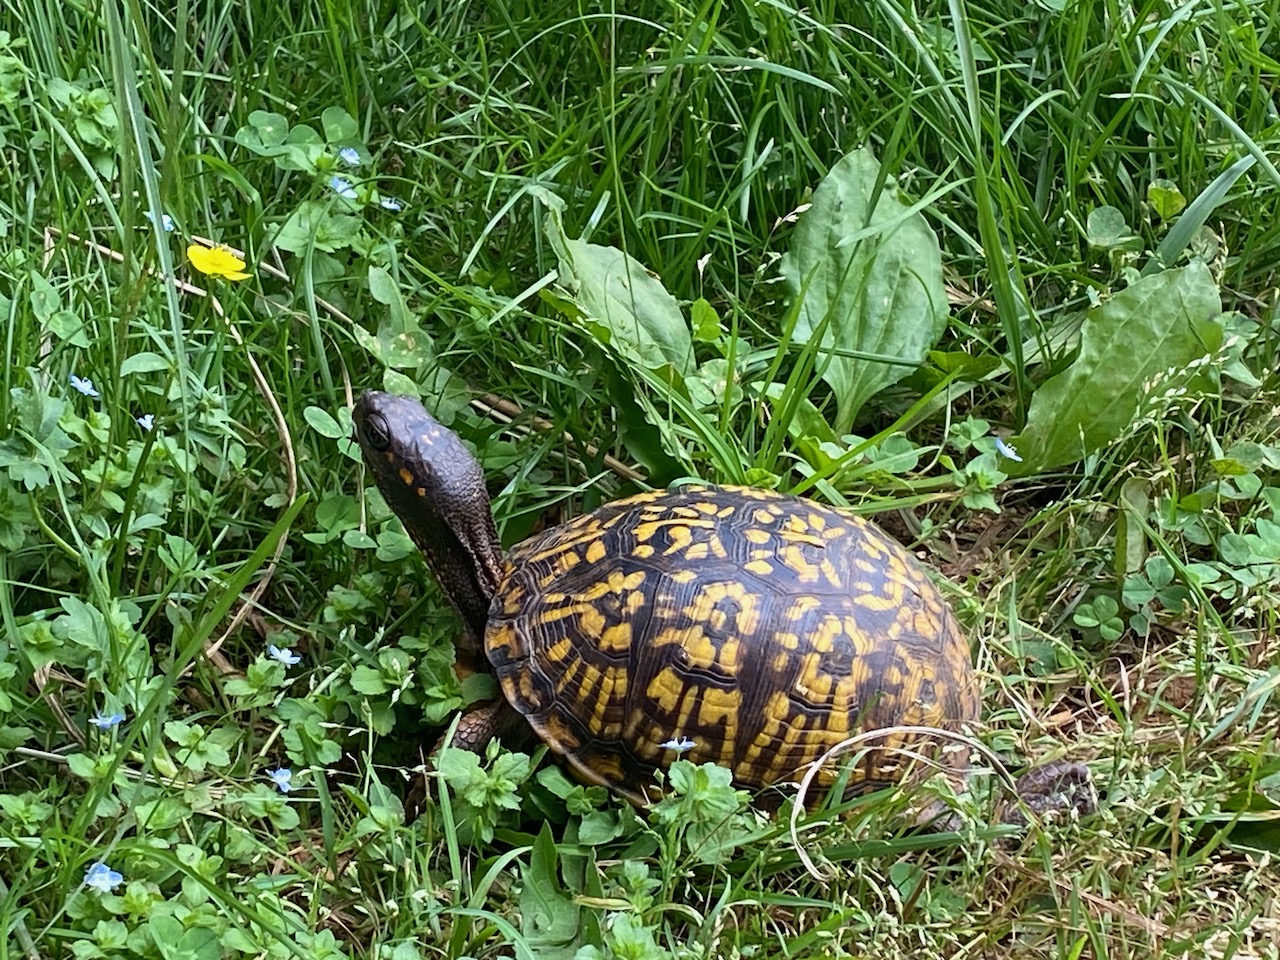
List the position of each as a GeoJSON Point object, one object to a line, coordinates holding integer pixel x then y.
{"type": "Point", "coordinates": [1122, 606]}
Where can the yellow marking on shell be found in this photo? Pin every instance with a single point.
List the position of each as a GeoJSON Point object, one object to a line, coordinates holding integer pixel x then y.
{"type": "Point", "coordinates": [631, 729]}
{"type": "Point", "coordinates": [780, 661]}
{"type": "Point", "coordinates": [616, 582]}
{"type": "Point", "coordinates": [836, 722]}
{"type": "Point", "coordinates": [701, 651]}
{"type": "Point", "coordinates": [528, 695]}
{"type": "Point", "coordinates": [665, 689]}
{"type": "Point", "coordinates": [812, 684]}
{"type": "Point", "coordinates": [833, 533]}
{"type": "Point", "coordinates": [757, 536]}
{"type": "Point", "coordinates": [802, 605]}
{"type": "Point", "coordinates": [829, 572]}
{"type": "Point", "coordinates": [668, 635]}
{"type": "Point", "coordinates": [720, 706]}
{"type": "Point", "coordinates": [760, 567]}
{"type": "Point", "coordinates": [505, 638]}
{"type": "Point", "coordinates": [877, 602]}
{"type": "Point", "coordinates": [571, 679]}
{"type": "Point", "coordinates": [865, 565]}
{"type": "Point", "coordinates": [681, 538]}
{"type": "Point", "coordinates": [595, 551]}
{"type": "Point", "coordinates": [563, 564]}
{"type": "Point", "coordinates": [817, 521]}
{"type": "Point", "coordinates": [764, 516]}
{"type": "Point", "coordinates": [685, 576]}
{"type": "Point", "coordinates": [407, 478]}
{"type": "Point", "coordinates": [607, 766]}
{"type": "Point", "coordinates": [876, 549]}
{"type": "Point", "coordinates": [688, 702]}
{"type": "Point", "coordinates": [706, 506]}
{"type": "Point", "coordinates": [776, 715]}
{"type": "Point", "coordinates": [613, 689]}
{"type": "Point", "coordinates": [591, 622]}
{"type": "Point", "coordinates": [616, 639]}
{"type": "Point", "coordinates": [788, 641]}
{"type": "Point", "coordinates": [823, 638]}
{"type": "Point", "coordinates": [727, 748]}
{"type": "Point", "coordinates": [559, 651]}
{"type": "Point", "coordinates": [643, 551]}
{"type": "Point", "coordinates": [795, 523]}
{"type": "Point", "coordinates": [645, 530]}
{"type": "Point", "coordinates": [793, 559]}
{"type": "Point", "coordinates": [560, 734]}
{"type": "Point", "coordinates": [566, 544]}
{"type": "Point", "coordinates": [698, 551]}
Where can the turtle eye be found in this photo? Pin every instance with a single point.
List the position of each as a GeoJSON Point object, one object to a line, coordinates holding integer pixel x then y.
{"type": "Point", "coordinates": [376, 433]}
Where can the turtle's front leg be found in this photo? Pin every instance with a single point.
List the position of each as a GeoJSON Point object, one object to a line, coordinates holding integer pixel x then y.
{"type": "Point", "coordinates": [479, 725]}
{"type": "Point", "coordinates": [483, 723]}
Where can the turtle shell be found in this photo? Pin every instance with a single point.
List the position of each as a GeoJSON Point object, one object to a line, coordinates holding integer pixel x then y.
{"type": "Point", "coordinates": [733, 625]}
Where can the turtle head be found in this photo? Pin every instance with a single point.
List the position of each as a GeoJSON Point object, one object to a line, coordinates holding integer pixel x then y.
{"type": "Point", "coordinates": [436, 488]}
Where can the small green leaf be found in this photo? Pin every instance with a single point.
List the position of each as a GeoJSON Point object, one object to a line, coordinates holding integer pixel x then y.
{"type": "Point", "coordinates": [45, 301]}
{"type": "Point", "coordinates": [264, 132]}
{"type": "Point", "coordinates": [705, 322]}
{"type": "Point", "coordinates": [144, 362]}
{"type": "Point", "coordinates": [1106, 228]}
{"type": "Point", "coordinates": [69, 328]}
{"type": "Point", "coordinates": [1165, 199]}
{"type": "Point", "coordinates": [338, 125]}
{"type": "Point", "coordinates": [323, 423]}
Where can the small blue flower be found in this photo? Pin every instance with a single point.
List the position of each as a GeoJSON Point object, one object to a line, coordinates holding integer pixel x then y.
{"type": "Point", "coordinates": [350, 156]}
{"type": "Point", "coordinates": [285, 656]}
{"type": "Point", "coordinates": [107, 721]}
{"type": "Point", "coordinates": [146, 421]}
{"type": "Point", "coordinates": [102, 878]}
{"type": "Point", "coordinates": [84, 386]}
{"type": "Point", "coordinates": [1007, 451]}
{"type": "Point", "coordinates": [282, 778]}
{"type": "Point", "coordinates": [166, 221]}
{"type": "Point", "coordinates": [342, 188]}
{"type": "Point", "coordinates": [391, 203]}
{"type": "Point", "coordinates": [680, 745]}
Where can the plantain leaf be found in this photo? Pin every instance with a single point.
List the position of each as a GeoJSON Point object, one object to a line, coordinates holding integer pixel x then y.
{"type": "Point", "coordinates": [622, 303]}
{"type": "Point", "coordinates": [1162, 323]}
{"type": "Point", "coordinates": [870, 283]}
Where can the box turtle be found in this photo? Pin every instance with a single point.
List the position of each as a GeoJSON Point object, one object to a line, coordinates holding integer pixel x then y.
{"type": "Point", "coordinates": [725, 624]}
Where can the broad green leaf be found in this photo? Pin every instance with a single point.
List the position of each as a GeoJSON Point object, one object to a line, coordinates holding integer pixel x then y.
{"type": "Point", "coordinates": [1162, 323]}
{"type": "Point", "coordinates": [869, 282]}
{"type": "Point", "coordinates": [549, 916]}
{"type": "Point", "coordinates": [623, 304]}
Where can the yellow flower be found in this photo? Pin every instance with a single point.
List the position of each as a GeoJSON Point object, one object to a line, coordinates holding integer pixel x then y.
{"type": "Point", "coordinates": [217, 261]}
